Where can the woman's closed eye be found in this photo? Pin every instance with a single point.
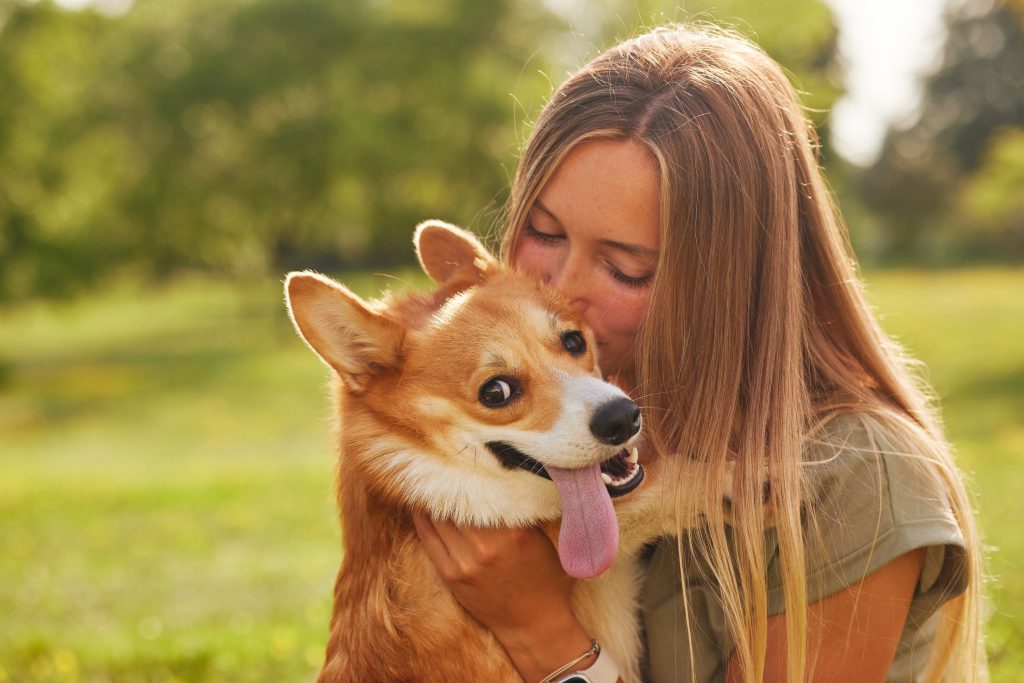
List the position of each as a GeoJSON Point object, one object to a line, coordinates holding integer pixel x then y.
{"type": "Point", "coordinates": [628, 280]}
{"type": "Point", "coordinates": [543, 237]}
{"type": "Point", "coordinates": [548, 239]}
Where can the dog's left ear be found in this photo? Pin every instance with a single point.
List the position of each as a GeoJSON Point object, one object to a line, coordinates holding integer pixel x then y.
{"type": "Point", "coordinates": [451, 255]}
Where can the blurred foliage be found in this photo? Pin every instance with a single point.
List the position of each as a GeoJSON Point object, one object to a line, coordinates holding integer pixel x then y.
{"type": "Point", "coordinates": [247, 137]}
{"type": "Point", "coordinates": [949, 186]}
{"type": "Point", "coordinates": [991, 202]}
{"type": "Point", "coordinates": [253, 136]}
{"type": "Point", "coordinates": [244, 135]}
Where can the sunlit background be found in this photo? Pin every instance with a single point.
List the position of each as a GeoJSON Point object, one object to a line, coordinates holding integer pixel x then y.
{"type": "Point", "coordinates": [166, 509]}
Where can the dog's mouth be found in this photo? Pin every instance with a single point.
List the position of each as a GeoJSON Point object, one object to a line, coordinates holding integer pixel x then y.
{"type": "Point", "coordinates": [621, 473]}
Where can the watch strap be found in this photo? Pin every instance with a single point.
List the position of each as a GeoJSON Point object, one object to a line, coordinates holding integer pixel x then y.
{"type": "Point", "coordinates": [603, 670]}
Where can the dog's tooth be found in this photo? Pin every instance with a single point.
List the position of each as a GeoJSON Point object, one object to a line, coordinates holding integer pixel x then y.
{"type": "Point", "coordinates": [607, 479]}
{"type": "Point", "coordinates": [633, 456]}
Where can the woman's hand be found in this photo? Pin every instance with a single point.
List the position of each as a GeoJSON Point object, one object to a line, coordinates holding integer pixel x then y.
{"type": "Point", "coordinates": [511, 581]}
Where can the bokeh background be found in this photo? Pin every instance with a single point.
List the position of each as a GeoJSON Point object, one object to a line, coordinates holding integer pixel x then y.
{"type": "Point", "coordinates": [165, 464]}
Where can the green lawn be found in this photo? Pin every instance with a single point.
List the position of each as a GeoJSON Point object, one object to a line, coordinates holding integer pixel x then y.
{"type": "Point", "coordinates": [166, 473]}
{"type": "Point", "coordinates": [968, 328]}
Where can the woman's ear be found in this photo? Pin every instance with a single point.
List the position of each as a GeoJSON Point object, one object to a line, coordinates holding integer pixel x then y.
{"type": "Point", "coordinates": [451, 255]}
{"type": "Point", "coordinates": [356, 341]}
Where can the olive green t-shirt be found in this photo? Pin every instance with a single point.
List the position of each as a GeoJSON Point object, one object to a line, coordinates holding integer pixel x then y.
{"type": "Point", "coordinates": [874, 500]}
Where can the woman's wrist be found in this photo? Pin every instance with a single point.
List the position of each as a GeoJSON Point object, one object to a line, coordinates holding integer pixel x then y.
{"type": "Point", "coordinates": [541, 649]}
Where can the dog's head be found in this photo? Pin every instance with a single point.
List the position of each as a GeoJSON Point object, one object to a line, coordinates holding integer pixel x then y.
{"type": "Point", "coordinates": [481, 402]}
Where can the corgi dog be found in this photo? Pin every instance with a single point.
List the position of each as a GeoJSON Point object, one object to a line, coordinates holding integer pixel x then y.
{"type": "Point", "coordinates": [481, 403]}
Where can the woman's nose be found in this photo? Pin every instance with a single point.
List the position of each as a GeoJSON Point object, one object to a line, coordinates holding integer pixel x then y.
{"type": "Point", "coordinates": [569, 281]}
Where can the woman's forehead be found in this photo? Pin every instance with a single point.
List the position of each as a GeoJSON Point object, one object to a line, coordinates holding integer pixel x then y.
{"type": "Point", "coordinates": [611, 189]}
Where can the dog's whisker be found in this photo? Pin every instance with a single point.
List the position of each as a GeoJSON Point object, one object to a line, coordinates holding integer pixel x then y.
{"type": "Point", "coordinates": [641, 397]}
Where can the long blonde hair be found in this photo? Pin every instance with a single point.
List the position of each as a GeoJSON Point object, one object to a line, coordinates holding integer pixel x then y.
{"type": "Point", "coordinates": [757, 327]}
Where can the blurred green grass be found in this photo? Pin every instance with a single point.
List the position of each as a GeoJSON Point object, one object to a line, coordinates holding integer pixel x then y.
{"type": "Point", "coordinates": [166, 473]}
{"type": "Point", "coordinates": [967, 328]}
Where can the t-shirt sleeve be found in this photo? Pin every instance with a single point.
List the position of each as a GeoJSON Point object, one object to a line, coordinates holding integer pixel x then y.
{"type": "Point", "coordinates": [872, 499]}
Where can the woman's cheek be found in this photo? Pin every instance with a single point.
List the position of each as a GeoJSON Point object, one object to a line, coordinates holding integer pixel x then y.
{"type": "Point", "coordinates": [629, 313]}
{"type": "Point", "coordinates": [529, 259]}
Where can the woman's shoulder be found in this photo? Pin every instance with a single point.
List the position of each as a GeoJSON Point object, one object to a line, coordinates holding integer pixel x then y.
{"type": "Point", "coordinates": [875, 487]}
{"type": "Point", "coordinates": [876, 461]}
{"type": "Point", "coordinates": [861, 433]}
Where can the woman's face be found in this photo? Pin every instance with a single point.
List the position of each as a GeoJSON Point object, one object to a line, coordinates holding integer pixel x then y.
{"type": "Point", "coordinates": [593, 234]}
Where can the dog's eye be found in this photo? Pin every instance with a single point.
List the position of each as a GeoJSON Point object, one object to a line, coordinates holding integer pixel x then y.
{"type": "Point", "coordinates": [497, 392]}
{"type": "Point", "coordinates": [574, 342]}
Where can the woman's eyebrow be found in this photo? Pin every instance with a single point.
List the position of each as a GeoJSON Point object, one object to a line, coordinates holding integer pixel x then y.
{"type": "Point", "coordinates": [540, 205]}
{"type": "Point", "coordinates": [632, 249]}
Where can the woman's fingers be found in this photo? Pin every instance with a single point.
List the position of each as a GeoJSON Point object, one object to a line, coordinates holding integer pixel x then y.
{"type": "Point", "coordinates": [476, 558]}
{"type": "Point", "coordinates": [433, 545]}
{"type": "Point", "coordinates": [464, 553]}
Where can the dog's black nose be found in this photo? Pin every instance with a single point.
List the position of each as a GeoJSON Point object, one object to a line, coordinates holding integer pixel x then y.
{"type": "Point", "coordinates": [616, 421]}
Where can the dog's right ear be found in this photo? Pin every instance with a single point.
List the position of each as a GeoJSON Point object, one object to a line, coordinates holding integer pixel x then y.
{"type": "Point", "coordinates": [341, 328]}
{"type": "Point", "coordinates": [451, 255]}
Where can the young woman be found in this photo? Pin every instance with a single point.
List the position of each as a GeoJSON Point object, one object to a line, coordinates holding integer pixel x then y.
{"type": "Point", "coordinates": [671, 190]}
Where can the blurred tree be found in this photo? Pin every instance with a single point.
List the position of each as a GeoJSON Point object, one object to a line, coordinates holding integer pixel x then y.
{"type": "Point", "coordinates": [307, 132]}
{"type": "Point", "coordinates": [990, 205]}
{"type": "Point", "coordinates": [253, 136]}
{"type": "Point", "coordinates": [978, 90]}
{"type": "Point", "coordinates": [47, 200]}
{"type": "Point", "coordinates": [247, 135]}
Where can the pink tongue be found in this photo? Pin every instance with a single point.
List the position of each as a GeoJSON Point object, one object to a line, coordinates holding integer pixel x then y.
{"type": "Point", "coordinates": [589, 537]}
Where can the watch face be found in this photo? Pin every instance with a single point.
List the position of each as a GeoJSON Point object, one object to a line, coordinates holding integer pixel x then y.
{"type": "Point", "coordinates": [575, 679]}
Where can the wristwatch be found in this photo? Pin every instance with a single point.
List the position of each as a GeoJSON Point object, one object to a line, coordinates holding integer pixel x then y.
{"type": "Point", "coordinates": [603, 670]}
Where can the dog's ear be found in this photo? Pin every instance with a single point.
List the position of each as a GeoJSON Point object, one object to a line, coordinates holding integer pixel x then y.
{"type": "Point", "coordinates": [342, 329]}
{"type": "Point", "coordinates": [451, 255]}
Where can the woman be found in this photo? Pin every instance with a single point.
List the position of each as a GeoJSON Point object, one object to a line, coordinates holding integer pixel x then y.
{"type": "Point", "coordinates": [670, 189]}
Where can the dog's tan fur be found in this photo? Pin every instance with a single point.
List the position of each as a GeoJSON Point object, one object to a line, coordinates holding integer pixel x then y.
{"type": "Point", "coordinates": [409, 372]}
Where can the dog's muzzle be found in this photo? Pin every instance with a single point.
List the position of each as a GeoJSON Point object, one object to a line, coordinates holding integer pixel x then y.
{"type": "Point", "coordinates": [621, 473]}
